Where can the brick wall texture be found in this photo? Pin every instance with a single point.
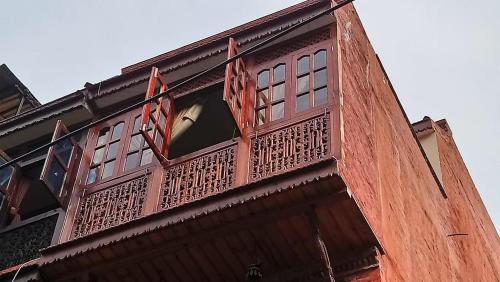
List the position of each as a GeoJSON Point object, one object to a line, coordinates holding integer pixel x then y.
{"type": "Point", "coordinates": [391, 182]}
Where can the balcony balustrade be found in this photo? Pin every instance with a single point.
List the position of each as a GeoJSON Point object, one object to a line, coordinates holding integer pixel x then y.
{"type": "Point", "coordinates": [206, 173]}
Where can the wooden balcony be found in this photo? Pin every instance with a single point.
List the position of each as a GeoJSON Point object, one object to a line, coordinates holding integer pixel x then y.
{"type": "Point", "coordinates": [21, 242]}
{"type": "Point", "coordinates": [206, 173]}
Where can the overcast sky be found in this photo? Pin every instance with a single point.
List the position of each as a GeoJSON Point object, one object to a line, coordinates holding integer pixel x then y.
{"type": "Point", "coordinates": [443, 57]}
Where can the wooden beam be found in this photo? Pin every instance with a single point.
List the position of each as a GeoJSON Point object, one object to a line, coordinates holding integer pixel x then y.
{"type": "Point", "coordinates": [255, 220]}
{"type": "Point", "coordinates": [320, 244]}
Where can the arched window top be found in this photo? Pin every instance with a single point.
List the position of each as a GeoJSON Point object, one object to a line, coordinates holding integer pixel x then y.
{"type": "Point", "coordinates": [103, 136]}
{"type": "Point", "coordinates": [117, 131]}
{"type": "Point", "coordinates": [279, 73]}
{"type": "Point", "coordinates": [303, 65]}
{"type": "Point", "coordinates": [320, 59]}
{"type": "Point", "coordinates": [263, 79]}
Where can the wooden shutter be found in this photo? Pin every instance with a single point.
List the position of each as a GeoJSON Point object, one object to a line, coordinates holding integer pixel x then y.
{"type": "Point", "coordinates": [59, 170]}
{"type": "Point", "coordinates": [157, 117]}
{"type": "Point", "coordinates": [235, 87]}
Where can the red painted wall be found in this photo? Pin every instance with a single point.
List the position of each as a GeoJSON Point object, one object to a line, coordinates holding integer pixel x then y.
{"type": "Point", "coordinates": [391, 182]}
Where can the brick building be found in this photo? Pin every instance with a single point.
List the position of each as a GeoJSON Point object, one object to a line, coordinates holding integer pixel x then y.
{"type": "Point", "coordinates": [295, 162]}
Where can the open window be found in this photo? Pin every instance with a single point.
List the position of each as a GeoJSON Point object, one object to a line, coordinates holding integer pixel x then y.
{"type": "Point", "coordinates": [7, 180]}
{"type": "Point", "coordinates": [235, 87]}
{"type": "Point", "coordinates": [157, 116]}
{"type": "Point", "coordinates": [58, 173]}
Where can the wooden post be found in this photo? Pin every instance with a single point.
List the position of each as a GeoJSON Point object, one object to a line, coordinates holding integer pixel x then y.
{"type": "Point", "coordinates": [320, 244]}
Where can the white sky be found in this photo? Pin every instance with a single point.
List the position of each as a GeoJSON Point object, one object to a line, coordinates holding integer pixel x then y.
{"type": "Point", "coordinates": [443, 57]}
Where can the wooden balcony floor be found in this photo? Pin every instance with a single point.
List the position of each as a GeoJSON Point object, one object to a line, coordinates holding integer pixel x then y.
{"type": "Point", "coordinates": [274, 231]}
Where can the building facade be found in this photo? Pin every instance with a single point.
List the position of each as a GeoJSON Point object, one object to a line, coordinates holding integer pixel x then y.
{"type": "Point", "coordinates": [295, 162]}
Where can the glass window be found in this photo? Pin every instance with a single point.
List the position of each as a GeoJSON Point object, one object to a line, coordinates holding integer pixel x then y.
{"type": "Point", "coordinates": [313, 91]}
{"type": "Point", "coordinates": [271, 93]}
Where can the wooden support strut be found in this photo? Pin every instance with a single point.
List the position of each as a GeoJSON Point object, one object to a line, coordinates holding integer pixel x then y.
{"type": "Point", "coordinates": [320, 244]}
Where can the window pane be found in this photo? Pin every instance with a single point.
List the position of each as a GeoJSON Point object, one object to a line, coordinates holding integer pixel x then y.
{"type": "Point", "coordinates": [320, 78]}
{"type": "Point", "coordinates": [108, 169]}
{"type": "Point", "coordinates": [158, 140]}
{"type": "Point", "coordinates": [278, 111]}
{"type": "Point", "coordinates": [63, 150]}
{"type": "Point", "coordinates": [103, 136]}
{"type": "Point", "coordinates": [162, 121]}
{"type": "Point", "coordinates": [278, 92]}
{"type": "Point", "coordinates": [137, 124]}
{"type": "Point", "coordinates": [303, 84]}
{"type": "Point", "coordinates": [5, 175]}
{"type": "Point", "coordinates": [112, 150]}
{"type": "Point", "coordinates": [263, 79]}
{"type": "Point", "coordinates": [135, 143]}
{"type": "Point", "coordinates": [93, 175]}
{"type": "Point", "coordinates": [147, 156]}
{"type": "Point", "coordinates": [132, 161]}
{"type": "Point", "coordinates": [320, 97]}
{"type": "Point", "coordinates": [55, 176]}
{"type": "Point", "coordinates": [260, 117]}
{"type": "Point", "coordinates": [320, 59]}
{"type": "Point", "coordinates": [279, 73]}
{"type": "Point", "coordinates": [117, 131]}
{"type": "Point", "coordinates": [262, 97]}
{"type": "Point", "coordinates": [98, 154]}
{"type": "Point", "coordinates": [303, 65]}
{"type": "Point", "coordinates": [302, 102]}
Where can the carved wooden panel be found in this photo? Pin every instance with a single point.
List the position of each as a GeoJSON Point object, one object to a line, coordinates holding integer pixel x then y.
{"type": "Point", "coordinates": [198, 178]}
{"type": "Point", "coordinates": [290, 147]}
{"type": "Point", "coordinates": [24, 243]}
{"type": "Point", "coordinates": [110, 207]}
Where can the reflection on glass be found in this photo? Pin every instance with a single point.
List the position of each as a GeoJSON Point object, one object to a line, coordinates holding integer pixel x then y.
{"type": "Point", "coordinates": [262, 97]}
{"type": "Point", "coordinates": [98, 154]}
{"type": "Point", "coordinates": [320, 78]}
{"type": "Point", "coordinates": [278, 92]}
{"type": "Point", "coordinates": [108, 169]}
{"type": "Point", "coordinates": [63, 150]}
{"type": "Point", "coordinates": [131, 161]}
{"type": "Point", "coordinates": [162, 121]}
{"type": "Point", "coordinates": [158, 140]}
{"type": "Point", "coordinates": [117, 131]}
{"type": "Point", "coordinates": [278, 111]}
{"type": "Point", "coordinates": [5, 175]}
{"type": "Point", "coordinates": [55, 177]}
{"type": "Point", "coordinates": [303, 84]}
{"type": "Point", "coordinates": [263, 79]}
{"type": "Point", "coordinates": [147, 156]}
{"type": "Point", "coordinates": [303, 65]}
{"type": "Point", "coordinates": [320, 59]}
{"type": "Point", "coordinates": [135, 142]}
{"type": "Point", "coordinates": [93, 174]}
{"type": "Point", "coordinates": [279, 73]}
{"type": "Point", "coordinates": [302, 102]}
{"type": "Point", "coordinates": [112, 150]}
{"type": "Point", "coordinates": [320, 97]}
{"type": "Point", "coordinates": [137, 124]}
{"type": "Point", "coordinates": [260, 117]}
{"type": "Point", "coordinates": [103, 136]}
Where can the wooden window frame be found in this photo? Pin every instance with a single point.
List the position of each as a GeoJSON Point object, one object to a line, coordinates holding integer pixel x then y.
{"type": "Point", "coordinates": [69, 168]}
{"type": "Point", "coordinates": [119, 169]}
{"type": "Point", "coordinates": [236, 87]}
{"type": "Point", "coordinates": [151, 117]}
{"type": "Point", "coordinates": [290, 61]}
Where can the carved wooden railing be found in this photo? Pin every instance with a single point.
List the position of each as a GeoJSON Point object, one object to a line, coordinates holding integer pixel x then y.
{"type": "Point", "coordinates": [297, 145]}
{"type": "Point", "coordinates": [202, 176]}
{"type": "Point", "coordinates": [22, 243]}
{"type": "Point", "coordinates": [112, 206]}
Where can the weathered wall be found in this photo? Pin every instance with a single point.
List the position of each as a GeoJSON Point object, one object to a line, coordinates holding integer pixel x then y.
{"type": "Point", "coordinates": [473, 241]}
{"type": "Point", "coordinates": [385, 169]}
